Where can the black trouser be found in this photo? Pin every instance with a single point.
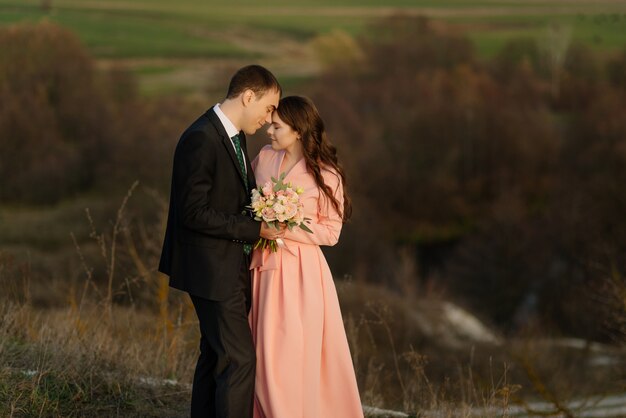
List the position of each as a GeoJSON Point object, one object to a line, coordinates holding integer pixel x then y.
{"type": "Point", "coordinates": [223, 383]}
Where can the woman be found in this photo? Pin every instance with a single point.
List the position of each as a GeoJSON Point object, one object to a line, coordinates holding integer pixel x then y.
{"type": "Point", "coordinates": [304, 368]}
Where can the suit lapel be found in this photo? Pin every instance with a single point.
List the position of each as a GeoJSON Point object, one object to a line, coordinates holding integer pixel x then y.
{"type": "Point", "coordinates": [227, 143]}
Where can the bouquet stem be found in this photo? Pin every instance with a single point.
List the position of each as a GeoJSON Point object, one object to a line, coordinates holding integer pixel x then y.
{"type": "Point", "coordinates": [263, 243]}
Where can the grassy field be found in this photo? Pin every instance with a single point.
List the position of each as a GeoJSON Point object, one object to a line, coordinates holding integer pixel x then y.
{"type": "Point", "coordinates": [89, 358]}
{"type": "Point", "coordinates": [174, 47]}
{"type": "Point", "coordinates": [58, 346]}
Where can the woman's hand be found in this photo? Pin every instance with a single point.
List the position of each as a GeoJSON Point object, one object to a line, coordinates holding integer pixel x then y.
{"type": "Point", "coordinates": [271, 233]}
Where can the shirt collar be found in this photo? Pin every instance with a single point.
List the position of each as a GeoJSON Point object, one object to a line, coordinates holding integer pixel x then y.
{"type": "Point", "coordinates": [228, 125]}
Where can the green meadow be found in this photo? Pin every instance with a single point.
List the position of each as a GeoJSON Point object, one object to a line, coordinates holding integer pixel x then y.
{"type": "Point", "coordinates": [171, 46]}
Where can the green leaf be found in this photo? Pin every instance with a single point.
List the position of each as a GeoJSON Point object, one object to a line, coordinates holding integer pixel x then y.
{"type": "Point", "coordinates": [279, 184]}
{"type": "Point", "coordinates": [306, 228]}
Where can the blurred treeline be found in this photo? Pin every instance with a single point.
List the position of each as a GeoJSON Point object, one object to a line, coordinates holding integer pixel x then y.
{"type": "Point", "coordinates": [66, 128]}
{"type": "Point", "coordinates": [498, 183]}
{"type": "Point", "coordinates": [505, 179]}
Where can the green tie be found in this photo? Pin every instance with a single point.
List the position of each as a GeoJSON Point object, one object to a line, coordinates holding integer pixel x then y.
{"type": "Point", "coordinates": [237, 143]}
{"type": "Point", "coordinates": [247, 248]}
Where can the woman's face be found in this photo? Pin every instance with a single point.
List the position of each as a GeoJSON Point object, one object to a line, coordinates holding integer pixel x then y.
{"type": "Point", "coordinates": [282, 135]}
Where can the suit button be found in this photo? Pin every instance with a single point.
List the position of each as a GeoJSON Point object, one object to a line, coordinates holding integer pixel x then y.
{"type": "Point", "coordinates": [243, 212]}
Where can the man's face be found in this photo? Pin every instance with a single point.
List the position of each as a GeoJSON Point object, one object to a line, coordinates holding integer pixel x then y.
{"type": "Point", "coordinates": [258, 110]}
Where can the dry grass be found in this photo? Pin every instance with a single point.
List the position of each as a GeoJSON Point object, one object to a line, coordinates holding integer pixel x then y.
{"type": "Point", "coordinates": [91, 355]}
{"type": "Point", "coordinates": [78, 362]}
{"type": "Point", "coordinates": [106, 351]}
{"type": "Point", "coordinates": [400, 369]}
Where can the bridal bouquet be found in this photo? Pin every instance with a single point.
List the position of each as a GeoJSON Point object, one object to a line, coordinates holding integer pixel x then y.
{"type": "Point", "coordinates": [277, 202]}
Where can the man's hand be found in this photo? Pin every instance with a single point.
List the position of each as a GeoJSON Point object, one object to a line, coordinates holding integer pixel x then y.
{"type": "Point", "coordinates": [271, 233]}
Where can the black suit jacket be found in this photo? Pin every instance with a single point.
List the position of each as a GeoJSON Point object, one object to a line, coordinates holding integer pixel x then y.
{"type": "Point", "coordinates": [207, 221]}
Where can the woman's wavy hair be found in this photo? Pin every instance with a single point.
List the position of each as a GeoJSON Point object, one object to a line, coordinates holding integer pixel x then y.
{"type": "Point", "coordinates": [319, 153]}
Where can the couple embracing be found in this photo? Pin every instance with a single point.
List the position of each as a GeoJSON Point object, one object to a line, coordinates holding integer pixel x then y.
{"type": "Point", "coordinates": [272, 338]}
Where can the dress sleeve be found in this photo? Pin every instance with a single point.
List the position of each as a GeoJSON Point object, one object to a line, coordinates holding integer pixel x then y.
{"type": "Point", "coordinates": [257, 159]}
{"type": "Point", "coordinates": [327, 228]}
{"type": "Point", "coordinates": [255, 162]}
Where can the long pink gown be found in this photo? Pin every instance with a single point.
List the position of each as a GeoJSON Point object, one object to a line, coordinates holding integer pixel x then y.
{"type": "Point", "coordinates": [304, 368]}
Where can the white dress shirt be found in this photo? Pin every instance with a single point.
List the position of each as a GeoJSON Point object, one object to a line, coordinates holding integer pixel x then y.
{"type": "Point", "coordinates": [230, 130]}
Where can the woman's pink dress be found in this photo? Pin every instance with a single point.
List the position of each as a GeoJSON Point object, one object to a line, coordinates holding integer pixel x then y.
{"type": "Point", "coordinates": [304, 368]}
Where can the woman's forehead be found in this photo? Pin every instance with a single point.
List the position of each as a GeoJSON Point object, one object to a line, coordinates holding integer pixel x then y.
{"type": "Point", "coordinates": [276, 118]}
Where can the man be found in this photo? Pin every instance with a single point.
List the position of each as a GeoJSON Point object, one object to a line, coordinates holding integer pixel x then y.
{"type": "Point", "coordinates": [207, 241]}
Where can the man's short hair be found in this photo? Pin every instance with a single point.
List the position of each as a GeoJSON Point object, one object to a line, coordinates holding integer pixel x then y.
{"type": "Point", "coordinates": [253, 77]}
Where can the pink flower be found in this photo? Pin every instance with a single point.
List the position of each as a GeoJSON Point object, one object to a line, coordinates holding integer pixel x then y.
{"type": "Point", "coordinates": [278, 208]}
{"type": "Point", "coordinates": [290, 210]}
{"type": "Point", "coordinates": [299, 217]}
{"type": "Point", "coordinates": [267, 189]}
{"type": "Point", "coordinates": [291, 195]}
{"type": "Point", "coordinates": [282, 205]}
{"type": "Point", "coordinates": [268, 214]}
